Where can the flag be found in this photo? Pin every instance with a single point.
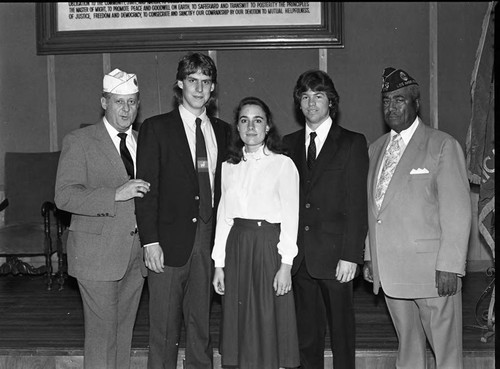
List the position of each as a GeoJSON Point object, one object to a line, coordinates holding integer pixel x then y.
{"type": "Point", "coordinates": [480, 144]}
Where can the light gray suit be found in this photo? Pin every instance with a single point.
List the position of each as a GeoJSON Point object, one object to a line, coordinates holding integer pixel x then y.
{"type": "Point", "coordinates": [422, 226]}
{"type": "Point", "coordinates": [104, 252]}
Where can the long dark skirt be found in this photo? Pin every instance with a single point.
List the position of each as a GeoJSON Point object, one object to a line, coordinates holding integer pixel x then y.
{"type": "Point", "coordinates": [259, 330]}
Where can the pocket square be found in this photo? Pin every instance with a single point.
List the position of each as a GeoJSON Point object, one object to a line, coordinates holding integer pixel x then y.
{"type": "Point", "coordinates": [419, 171]}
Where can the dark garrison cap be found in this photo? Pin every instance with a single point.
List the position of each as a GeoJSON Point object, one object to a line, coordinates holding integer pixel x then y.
{"type": "Point", "coordinates": [393, 79]}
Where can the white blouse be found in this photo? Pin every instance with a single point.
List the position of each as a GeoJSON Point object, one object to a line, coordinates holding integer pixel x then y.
{"type": "Point", "coordinates": [263, 185]}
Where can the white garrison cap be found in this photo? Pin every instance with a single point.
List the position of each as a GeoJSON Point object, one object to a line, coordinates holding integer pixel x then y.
{"type": "Point", "coordinates": [119, 82]}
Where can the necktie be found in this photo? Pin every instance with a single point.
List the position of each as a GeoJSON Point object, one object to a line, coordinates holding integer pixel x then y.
{"type": "Point", "coordinates": [203, 176]}
{"type": "Point", "coordinates": [125, 154]}
{"type": "Point", "coordinates": [392, 156]}
{"type": "Point", "coordinates": [311, 150]}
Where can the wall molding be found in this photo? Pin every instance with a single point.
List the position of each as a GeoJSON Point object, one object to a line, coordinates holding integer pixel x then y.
{"type": "Point", "coordinates": [433, 64]}
{"type": "Point", "coordinates": [52, 107]}
{"type": "Point", "coordinates": [323, 60]}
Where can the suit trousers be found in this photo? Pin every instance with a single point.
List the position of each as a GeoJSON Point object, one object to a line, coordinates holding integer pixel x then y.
{"type": "Point", "coordinates": [110, 311]}
{"type": "Point", "coordinates": [318, 302]}
{"type": "Point", "coordinates": [439, 319]}
{"type": "Point", "coordinates": [182, 293]}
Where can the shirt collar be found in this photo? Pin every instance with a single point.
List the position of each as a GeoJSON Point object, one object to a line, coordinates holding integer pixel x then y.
{"type": "Point", "coordinates": [189, 118]}
{"type": "Point", "coordinates": [322, 130]}
{"type": "Point", "coordinates": [407, 134]}
{"type": "Point", "coordinates": [256, 155]}
{"type": "Point", "coordinates": [113, 132]}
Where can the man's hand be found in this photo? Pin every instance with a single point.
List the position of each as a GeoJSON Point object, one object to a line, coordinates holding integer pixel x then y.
{"type": "Point", "coordinates": [153, 258]}
{"type": "Point", "coordinates": [446, 283]}
{"type": "Point", "coordinates": [282, 283]}
{"type": "Point", "coordinates": [132, 188]}
{"type": "Point", "coordinates": [368, 271]}
{"type": "Point", "coordinates": [345, 271]}
{"type": "Point", "coordinates": [218, 281]}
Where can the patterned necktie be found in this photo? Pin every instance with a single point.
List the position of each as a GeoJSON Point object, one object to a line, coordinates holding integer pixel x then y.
{"type": "Point", "coordinates": [392, 156]}
{"type": "Point", "coordinates": [311, 150]}
{"type": "Point", "coordinates": [203, 176]}
{"type": "Point", "coordinates": [125, 154]}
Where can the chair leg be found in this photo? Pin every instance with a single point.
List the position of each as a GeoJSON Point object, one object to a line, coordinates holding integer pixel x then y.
{"type": "Point", "coordinates": [48, 268]}
{"type": "Point", "coordinates": [62, 273]}
{"type": "Point", "coordinates": [62, 264]}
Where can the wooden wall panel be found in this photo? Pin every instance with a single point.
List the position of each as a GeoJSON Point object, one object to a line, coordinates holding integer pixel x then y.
{"type": "Point", "coordinates": [78, 91]}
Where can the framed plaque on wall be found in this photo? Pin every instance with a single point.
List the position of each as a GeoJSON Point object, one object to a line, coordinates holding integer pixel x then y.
{"type": "Point", "coordinates": [72, 28]}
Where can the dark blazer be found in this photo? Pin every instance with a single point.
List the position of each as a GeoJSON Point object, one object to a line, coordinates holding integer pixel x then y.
{"type": "Point", "coordinates": [333, 205]}
{"type": "Point", "coordinates": [101, 233]}
{"type": "Point", "coordinates": [169, 212]}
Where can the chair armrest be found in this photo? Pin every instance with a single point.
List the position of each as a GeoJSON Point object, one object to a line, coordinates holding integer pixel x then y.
{"type": "Point", "coordinates": [4, 204]}
{"type": "Point", "coordinates": [47, 207]}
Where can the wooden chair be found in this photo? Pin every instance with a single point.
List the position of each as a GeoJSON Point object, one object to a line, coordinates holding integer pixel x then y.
{"type": "Point", "coordinates": [31, 218]}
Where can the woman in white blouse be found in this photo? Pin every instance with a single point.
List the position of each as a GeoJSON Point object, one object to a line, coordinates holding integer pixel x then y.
{"type": "Point", "coordinates": [255, 243]}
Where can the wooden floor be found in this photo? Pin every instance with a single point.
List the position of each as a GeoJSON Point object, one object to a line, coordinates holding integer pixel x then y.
{"type": "Point", "coordinates": [44, 329]}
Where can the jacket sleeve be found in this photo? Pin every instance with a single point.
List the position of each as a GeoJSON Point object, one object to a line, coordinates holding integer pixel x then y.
{"type": "Point", "coordinates": [356, 211]}
{"type": "Point", "coordinates": [453, 191]}
{"type": "Point", "coordinates": [148, 169]}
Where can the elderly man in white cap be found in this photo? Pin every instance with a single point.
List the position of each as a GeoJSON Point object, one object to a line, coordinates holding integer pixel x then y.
{"type": "Point", "coordinates": [96, 183]}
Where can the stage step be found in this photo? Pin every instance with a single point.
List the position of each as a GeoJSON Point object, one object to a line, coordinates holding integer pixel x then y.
{"type": "Point", "coordinates": [43, 359]}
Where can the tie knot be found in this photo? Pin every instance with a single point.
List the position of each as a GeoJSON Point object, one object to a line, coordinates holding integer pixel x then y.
{"type": "Point", "coordinates": [313, 135]}
{"type": "Point", "coordinates": [198, 122]}
{"type": "Point", "coordinates": [396, 138]}
{"type": "Point", "coordinates": [122, 136]}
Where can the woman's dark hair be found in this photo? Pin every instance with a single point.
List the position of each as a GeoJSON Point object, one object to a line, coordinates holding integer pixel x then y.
{"type": "Point", "coordinates": [317, 81]}
{"type": "Point", "coordinates": [272, 141]}
{"type": "Point", "coordinates": [191, 63]}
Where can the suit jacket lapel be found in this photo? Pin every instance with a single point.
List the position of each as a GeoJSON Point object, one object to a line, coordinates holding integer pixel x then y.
{"type": "Point", "coordinates": [220, 138]}
{"type": "Point", "coordinates": [378, 153]}
{"type": "Point", "coordinates": [327, 153]}
{"type": "Point", "coordinates": [299, 157]}
{"type": "Point", "coordinates": [181, 145]}
{"type": "Point", "coordinates": [106, 145]}
{"type": "Point", "coordinates": [402, 173]}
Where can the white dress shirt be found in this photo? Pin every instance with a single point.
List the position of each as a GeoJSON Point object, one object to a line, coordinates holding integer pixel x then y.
{"type": "Point", "coordinates": [129, 141]}
{"type": "Point", "coordinates": [322, 133]}
{"type": "Point", "coordinates": [263, 185]}
{"type": "Point", "coordinates": [188, 119]}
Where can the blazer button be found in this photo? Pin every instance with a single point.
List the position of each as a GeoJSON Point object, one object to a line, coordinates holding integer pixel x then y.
{"type": "Point", "coordinates": [306, 228]}
{"type": "Point", "coordinates": [308, 206]}
{"type": "Point", "coordinates": [194, 220]}
{"type": "Point", "coordinates": [379, 221]}
{"type": "Point", "coordinates": [197, 198]}
{"type": "Point", "coordinates": [132, 233]}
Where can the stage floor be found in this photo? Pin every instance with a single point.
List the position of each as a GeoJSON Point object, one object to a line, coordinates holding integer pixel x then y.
{"type": "Point", "coordinates": [34, 321]}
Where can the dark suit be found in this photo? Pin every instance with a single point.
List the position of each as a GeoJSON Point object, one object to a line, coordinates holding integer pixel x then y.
{"type": "Point", "coordinates": [103, 247]}
{"type": "Point", "coordinates": [332, 227]}
{"type": "Point", "coordinates": [169, 215]}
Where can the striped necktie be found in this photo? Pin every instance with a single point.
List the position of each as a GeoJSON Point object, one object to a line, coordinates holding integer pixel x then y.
{"type": "Point", "coordinates": [125, 154]}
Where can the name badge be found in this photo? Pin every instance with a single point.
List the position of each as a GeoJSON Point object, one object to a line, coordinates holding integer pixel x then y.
{"type": "Point", "coordinates": [202, 165]}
